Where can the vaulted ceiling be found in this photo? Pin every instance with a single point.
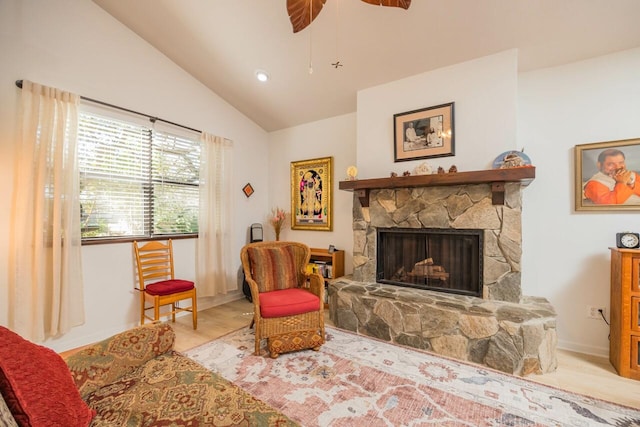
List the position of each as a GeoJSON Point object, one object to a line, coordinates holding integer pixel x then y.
{"type": "Point", "coordinates": [222, 43]}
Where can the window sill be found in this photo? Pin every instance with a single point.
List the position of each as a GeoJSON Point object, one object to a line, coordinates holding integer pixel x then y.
{"type": "Point", "coordinates": [129, 239]}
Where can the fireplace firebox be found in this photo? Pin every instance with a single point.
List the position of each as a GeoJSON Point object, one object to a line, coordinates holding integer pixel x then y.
{"type": "Point", "coordinates": [444, 260]}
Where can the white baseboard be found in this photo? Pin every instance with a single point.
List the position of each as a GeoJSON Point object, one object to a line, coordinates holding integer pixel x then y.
{"type": "Point", "coordinates": [61, 345]}
{"type": "Point", "coordinates": [84, 340]}
{"type": "Point", "coordinates": [581, 348]}
{"type": "Point", "coordinates": [208, 302]}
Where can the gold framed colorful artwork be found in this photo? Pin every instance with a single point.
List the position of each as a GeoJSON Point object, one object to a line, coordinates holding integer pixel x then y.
{"type": "Point", "coordinates": [311, 194]}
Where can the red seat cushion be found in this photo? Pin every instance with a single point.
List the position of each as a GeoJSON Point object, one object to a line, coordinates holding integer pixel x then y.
{"type": "Point", "coordinates": [37, 385]}
{"type": "Point", "coordinates": [288, 302]}
{"type": "Point", "coordinates": [167, 287]}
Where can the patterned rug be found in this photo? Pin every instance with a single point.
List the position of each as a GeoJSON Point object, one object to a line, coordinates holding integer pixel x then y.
{"type": "Point", "coordinates": [358, 381]}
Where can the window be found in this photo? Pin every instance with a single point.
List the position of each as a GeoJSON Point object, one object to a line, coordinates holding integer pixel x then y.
{"type": "Point", "coordinates": [136, 180]}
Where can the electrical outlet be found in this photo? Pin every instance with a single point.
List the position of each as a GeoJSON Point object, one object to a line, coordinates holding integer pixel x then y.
{"type": "Point", "coordinates": [594, 313]}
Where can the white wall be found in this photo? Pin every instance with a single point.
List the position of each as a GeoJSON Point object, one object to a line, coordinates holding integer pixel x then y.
{"type": "Point", "coordinates": [334, 137]}
{"type": "Point", "coordinates": [485, 95]}
{"type": "Point", "coordinates": [76, 46]}
{"type": "Point", "coordinates": [565, 253]}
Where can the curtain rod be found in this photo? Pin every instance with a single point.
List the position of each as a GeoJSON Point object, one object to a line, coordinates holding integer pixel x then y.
{"type": "Point", "coordinates": [153, 119]}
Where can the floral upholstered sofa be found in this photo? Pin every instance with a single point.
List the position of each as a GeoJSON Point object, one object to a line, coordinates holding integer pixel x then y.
{"type": "Point", "coordinates": [134, 378]}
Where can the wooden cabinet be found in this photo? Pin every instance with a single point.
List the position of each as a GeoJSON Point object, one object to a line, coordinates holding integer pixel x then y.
{"type": "Point", "coordinates": [333, 262]}
{"type": "Point", "coordinates": [624, 346]}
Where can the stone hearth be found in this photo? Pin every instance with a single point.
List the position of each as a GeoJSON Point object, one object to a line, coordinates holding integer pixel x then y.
{"type": "Point", "coordinates": [503, 329]}
{"type": "Point", "coordinates": [514, 338]}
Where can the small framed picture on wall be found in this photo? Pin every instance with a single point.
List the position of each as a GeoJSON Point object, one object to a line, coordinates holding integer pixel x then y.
{"type": "Point", "coordinates": [424, 133]}
{"type": "Point", "coordinates": [247, 190]}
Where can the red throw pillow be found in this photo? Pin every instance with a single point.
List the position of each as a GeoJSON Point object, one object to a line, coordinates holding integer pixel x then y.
{"type": "Point", "coordinates": [37, 385]}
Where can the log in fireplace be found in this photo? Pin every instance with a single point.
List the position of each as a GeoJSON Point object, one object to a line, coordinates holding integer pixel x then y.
{"type": "Point", "coordinates": [445, 260]}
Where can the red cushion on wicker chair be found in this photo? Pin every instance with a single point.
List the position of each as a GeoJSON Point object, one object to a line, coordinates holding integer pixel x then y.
{"type": "Point", "coordinates": [167, 287]}
{"type": "Point", "coordinates": [288, 302]}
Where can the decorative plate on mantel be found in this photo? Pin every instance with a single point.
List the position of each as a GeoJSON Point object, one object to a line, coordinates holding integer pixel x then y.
{"type": "Point", "coordinates": [511, 159]}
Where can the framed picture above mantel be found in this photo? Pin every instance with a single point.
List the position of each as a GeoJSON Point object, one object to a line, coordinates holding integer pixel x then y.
{"type": "Point", "coordinates": [424, 133]}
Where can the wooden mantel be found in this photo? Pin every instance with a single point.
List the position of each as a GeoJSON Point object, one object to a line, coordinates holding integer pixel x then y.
{"type": "Point", "coordinates": [496, 177]}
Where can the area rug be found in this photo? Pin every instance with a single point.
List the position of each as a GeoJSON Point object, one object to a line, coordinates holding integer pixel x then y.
{"type": "Point", "coordinates": [358, 381]}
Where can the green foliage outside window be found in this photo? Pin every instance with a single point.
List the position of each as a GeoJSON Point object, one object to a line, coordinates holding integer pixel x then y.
{"type": "Point", "coordinates": [136, 181]}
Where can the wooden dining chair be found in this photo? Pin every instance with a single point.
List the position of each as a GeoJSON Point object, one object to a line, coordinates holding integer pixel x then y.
{"type": "Point", "coordinates": [157, 284]}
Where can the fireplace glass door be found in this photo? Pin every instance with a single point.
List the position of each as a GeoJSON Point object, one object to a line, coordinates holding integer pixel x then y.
{"type": "Point", "coordinates": [446, 260]}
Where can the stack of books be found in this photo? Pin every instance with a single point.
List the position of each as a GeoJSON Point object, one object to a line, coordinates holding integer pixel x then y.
{"type": "Point", "coordinates": [321, 267]}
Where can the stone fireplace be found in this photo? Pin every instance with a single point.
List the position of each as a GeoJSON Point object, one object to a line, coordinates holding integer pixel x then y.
{"type": "Point", "coordinates": [447, 207]}
{"type": "Point", "coordinates": [497, 327]}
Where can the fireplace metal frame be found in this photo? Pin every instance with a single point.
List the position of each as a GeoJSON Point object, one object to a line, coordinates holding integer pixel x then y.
{"type": "Point", "coordinates": [447, 231]}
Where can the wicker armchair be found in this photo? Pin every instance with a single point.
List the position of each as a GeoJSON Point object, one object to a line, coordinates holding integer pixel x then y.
{"type": "Point", "coordinates": [288, 302]}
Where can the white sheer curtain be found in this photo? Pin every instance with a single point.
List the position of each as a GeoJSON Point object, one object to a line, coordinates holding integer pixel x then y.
{"type": "Point", "coordinates": [45, 289]}
{"type": "Point", "coordinates": [214, 264]}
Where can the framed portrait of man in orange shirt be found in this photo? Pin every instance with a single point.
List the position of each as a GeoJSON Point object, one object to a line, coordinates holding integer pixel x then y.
{"type": "Point", "coordinates": [608, 175]}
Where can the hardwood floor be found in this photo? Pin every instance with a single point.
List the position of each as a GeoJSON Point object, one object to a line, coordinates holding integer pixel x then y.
{"type": "Point", "coordinates": [577, 372]}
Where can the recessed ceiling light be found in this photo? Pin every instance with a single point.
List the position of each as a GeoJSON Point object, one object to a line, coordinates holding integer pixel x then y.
{"type": "Point", "coordinates": [262, 75]}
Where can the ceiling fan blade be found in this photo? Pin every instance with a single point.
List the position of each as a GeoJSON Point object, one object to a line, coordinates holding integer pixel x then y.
{"type": "Point", "coordinates": [299, 12]}
{"type": "Point", "coordinates": [393, 3]}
